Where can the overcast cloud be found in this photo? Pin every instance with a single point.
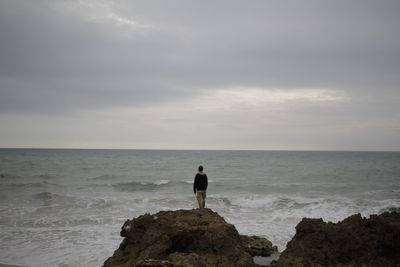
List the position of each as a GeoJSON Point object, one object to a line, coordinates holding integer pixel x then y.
{"type": "Point", "coordinates": [200, 74]}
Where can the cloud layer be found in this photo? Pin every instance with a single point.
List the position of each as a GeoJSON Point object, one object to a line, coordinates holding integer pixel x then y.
{"type": "Point", "coordinates": [178, 74]}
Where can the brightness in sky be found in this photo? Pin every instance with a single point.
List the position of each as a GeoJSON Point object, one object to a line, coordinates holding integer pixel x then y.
{"type": "Point", "coordinates": [293, 75]}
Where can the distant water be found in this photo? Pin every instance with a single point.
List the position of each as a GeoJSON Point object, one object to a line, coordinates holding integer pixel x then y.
{"type": "Point", "coordinates": [62, 207]}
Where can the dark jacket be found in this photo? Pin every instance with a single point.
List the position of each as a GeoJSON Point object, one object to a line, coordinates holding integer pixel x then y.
{"type": "Point", "coordinates": [200, 182]}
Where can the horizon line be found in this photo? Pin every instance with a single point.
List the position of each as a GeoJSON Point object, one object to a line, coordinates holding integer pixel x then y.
{"type": "Point", "coordinates": [197, 149]}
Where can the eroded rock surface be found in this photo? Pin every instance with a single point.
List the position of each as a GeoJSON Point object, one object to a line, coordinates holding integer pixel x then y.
{"type": "Point", "coordinates": [197, 238]}
{"type": "Point", "coordinates": [355, 241]}
{"type": "Point", "coordinates": [258, 246]}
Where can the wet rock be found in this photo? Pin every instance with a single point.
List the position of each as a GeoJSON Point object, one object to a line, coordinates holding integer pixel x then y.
{"type": "Point", "coordinates": [196, 238]}
{"type": "Point", "coordinates": [355, 241]}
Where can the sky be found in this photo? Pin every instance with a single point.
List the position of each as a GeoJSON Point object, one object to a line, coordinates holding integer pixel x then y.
{"type": "Point", "coordinates": [253, 75]}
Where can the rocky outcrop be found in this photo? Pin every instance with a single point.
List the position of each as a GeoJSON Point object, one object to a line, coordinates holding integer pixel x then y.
{"type": "Point", "coordinates": [258, 246]}
{"type": "Point", "coordinates": [197, 238]}
{"type": "Point", "coordinates": [355, 241]}
{"type": "Point", "coordinates": [202, 238]}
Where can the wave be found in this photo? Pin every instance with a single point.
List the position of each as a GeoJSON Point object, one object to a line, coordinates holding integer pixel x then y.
{"type": "Point", "coordinates": [332, 208]}
{"type": "Point", "coordinates": [100, 203]}
{"type": "Point", "coordinates": [104, 177]}
{"type": "Point", "coordinates": [50, 222]}
{"type": "Point", "coordinates": [225, 201]}
{"type": "Point", "coordinates": [390, 209]}
{"type": "Point", "coordinates": [257, 202]}
{"type": "Point", "coordinates": [46, 176]}
{"type": "Point", "coordinates": [5, 175]}
{"type": "Point", "coordinates": [161, 182]}
{"type": "Point", "coordinates": [280, 202]}
{"type": "Point", "coordinates": [46, 196]}
{"type": "Point", "coordinates": [140, 186]}
{"type": "Point", "coordinates": [30, 185]}
{"type": "Point", "coordinates": [131, 186]}
{"type": "Point", "coordinates": [53, 203]}
{"type": "Point", "coordinates": [149, 186]}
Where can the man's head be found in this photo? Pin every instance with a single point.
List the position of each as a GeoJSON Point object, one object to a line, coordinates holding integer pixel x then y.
{"type": "Point", "coordinates": [200, 168]}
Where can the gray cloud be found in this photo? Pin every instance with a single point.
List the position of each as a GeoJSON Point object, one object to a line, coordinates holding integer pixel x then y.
{"type": "Point", "coordinates": [58, 57]}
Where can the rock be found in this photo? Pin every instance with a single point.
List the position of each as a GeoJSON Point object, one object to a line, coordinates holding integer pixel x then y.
{"type": "Point", "coordinates": [187, 259]}
{"type": "Point", "coordinates": [197, 238]}
{"type": "Point", "coordinates": [154, 263]}
{"type": "Point", "coordinates": [355, 241]}
{"type": "Point", "coordinates": [258, 246]}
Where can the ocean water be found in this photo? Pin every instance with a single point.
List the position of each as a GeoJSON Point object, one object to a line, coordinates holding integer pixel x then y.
{"type": "Point", "coordinates": [66, 207]}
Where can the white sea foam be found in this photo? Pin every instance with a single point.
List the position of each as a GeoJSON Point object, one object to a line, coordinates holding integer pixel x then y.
{"type": "Point", "coordinates": [161, 182]}
{"type": "Point", "coordinates": [276, 216]}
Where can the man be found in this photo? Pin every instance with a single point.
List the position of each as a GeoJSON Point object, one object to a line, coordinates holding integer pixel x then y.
{"type": "Point", "coordinates": [200, 187]}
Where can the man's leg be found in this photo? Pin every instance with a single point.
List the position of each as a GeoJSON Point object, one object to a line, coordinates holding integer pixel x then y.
{"type": "Point", "coordinates": [198, 196]}
{"type": "Point", "coordinates": [203, 200]}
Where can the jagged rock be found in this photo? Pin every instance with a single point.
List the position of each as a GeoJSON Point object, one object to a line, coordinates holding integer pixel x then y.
{"type": "Point", "coordinates": [355, 241]}
{"type": "Point", "coordinates": [258, 246]}
{"type": "Point", "coordinates": [197, 238]}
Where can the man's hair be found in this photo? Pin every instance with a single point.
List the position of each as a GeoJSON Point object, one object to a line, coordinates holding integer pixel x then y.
{"type": "Point", "coordinates": [200, 168]}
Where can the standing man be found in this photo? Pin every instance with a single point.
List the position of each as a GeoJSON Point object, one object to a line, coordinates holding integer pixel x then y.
{"type": "Point", "coordinates": [200, 187]}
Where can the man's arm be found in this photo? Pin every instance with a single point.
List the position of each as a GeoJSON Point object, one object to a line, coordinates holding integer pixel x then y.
{"type": "Point", "coordinates": [195, 184]}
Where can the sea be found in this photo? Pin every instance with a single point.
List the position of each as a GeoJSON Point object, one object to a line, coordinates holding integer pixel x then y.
{"type": "Point", "coordinates": [65, 207]}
